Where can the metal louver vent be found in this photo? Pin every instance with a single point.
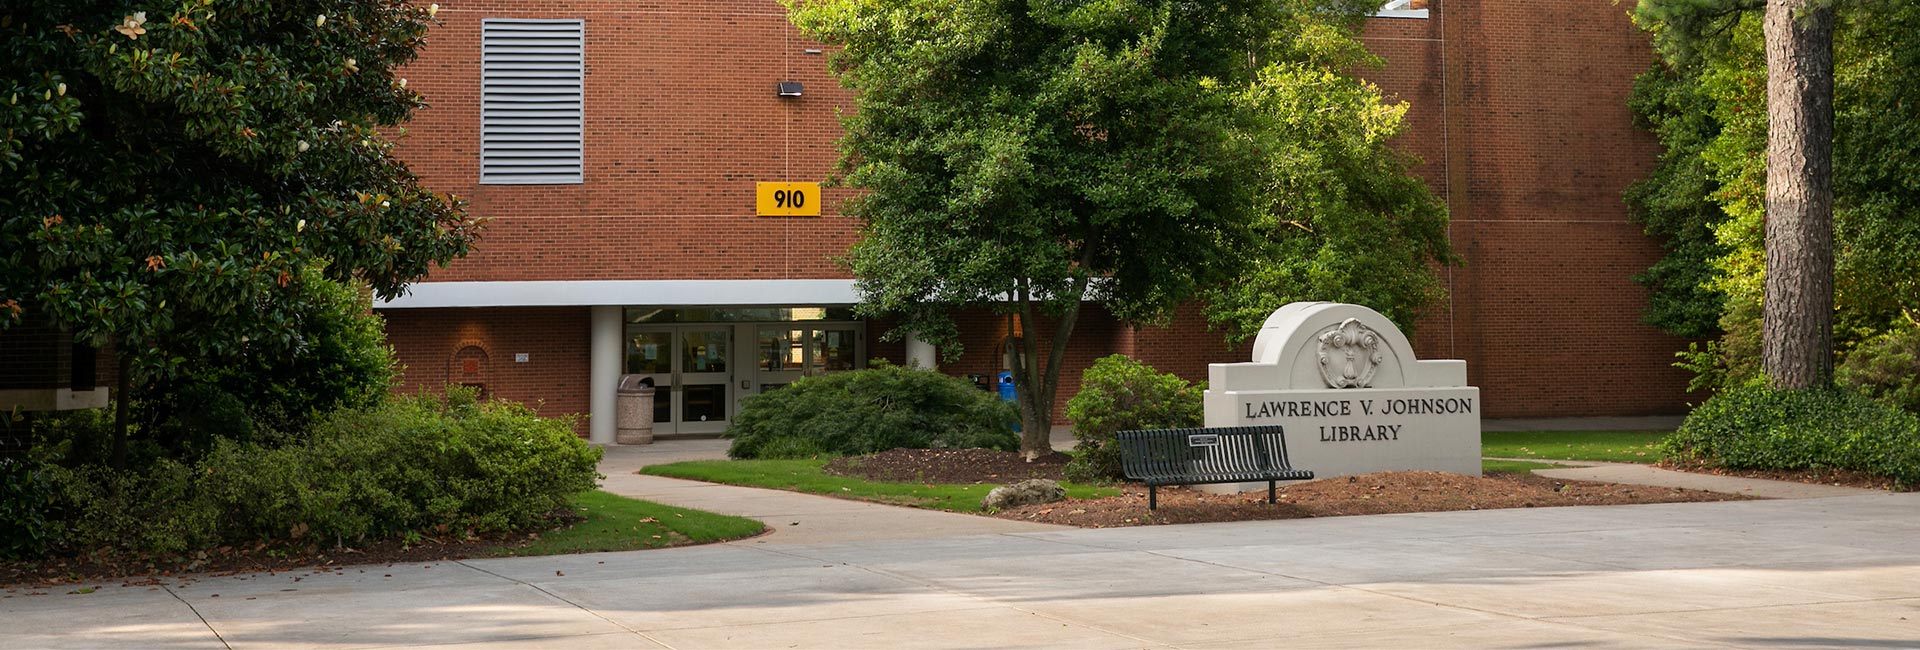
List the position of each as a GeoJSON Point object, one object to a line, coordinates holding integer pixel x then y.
{"type": "Point", "coordinates": [531, 81]}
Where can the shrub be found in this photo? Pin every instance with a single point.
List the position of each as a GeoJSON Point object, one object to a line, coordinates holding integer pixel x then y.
{"type": "Point", "coordinates": [1886, 368]}
{"type": "Point", "coordinates": [419, 465]}
{"type": "Point", "coordinates": [1757, 427]}
{"type": "Point", "coordinates": [334, 355]}
{"type": "Point", "coordinates": [1119, 394]}
{"type": "Point", "coordinates": [872, 410]}
{"type": "Point", "coordinates": [26, 492]}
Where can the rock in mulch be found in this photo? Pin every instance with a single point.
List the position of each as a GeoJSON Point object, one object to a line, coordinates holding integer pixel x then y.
{"type": "Point", "coordinates": [1033, 491]}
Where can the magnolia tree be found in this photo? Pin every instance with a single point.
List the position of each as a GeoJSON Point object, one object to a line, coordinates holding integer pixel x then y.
{"type": "Point", "coordinates": [176, 174]}
{"type": "Point", "coordinates": [1030, 158]}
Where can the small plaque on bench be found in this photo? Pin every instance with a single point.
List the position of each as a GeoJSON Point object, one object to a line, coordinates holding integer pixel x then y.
{"type": "Point", "coordinates": [1203, 440]}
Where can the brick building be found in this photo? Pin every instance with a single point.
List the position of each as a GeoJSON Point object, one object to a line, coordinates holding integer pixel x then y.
{"type": "Point", "coordinates": [616, 145]}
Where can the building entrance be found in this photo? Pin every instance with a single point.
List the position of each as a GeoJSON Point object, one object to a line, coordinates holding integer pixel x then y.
{"type": "Point", "coordinates": [702, 371]}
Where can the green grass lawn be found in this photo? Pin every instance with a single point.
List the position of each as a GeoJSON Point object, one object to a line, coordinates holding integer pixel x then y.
{"type": "Point", "coordinates": [616, 523]}
{"type": "Point", "coordinates": [1610, 446]}
{"type": "Point", "coordinates": [1513, 466]}
{"type": "Point", "coordinates": [807, 476]}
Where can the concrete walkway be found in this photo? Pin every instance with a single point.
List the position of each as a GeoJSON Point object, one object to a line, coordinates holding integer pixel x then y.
{"type": "Point", "coordinates": [1839, 572]}
{"type": "Point", "coordinates": [1812, 573]}
{"type": "Point", "coordinates": [1649, 475]}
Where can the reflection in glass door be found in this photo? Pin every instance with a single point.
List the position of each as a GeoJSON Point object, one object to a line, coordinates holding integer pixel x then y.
{"type": "Point", "coordinates": [780, 355]}
{"type": "Point", "coordinates": [784, 353]}
{"type": "Point", "coordinates": [701, 371]}
{"type": "Point", "coordinates": [704, 379]}
{"type": "Point", "coordinates": [650, 353]}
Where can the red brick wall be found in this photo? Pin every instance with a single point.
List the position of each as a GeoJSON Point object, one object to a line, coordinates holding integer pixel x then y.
{"type": "Point", "coordinates": [1184, 346]}
{"type": "Point", "coordinates": [681, 121]}
{"type": "Point", "coordinates": [429, 345]}
{"type": "Point", "coordinates": [1518, 110]}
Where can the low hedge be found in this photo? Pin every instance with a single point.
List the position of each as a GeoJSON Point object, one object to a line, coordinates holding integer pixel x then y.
{"type": "Point", "coordinates": [1757, 427]}
{"type": "Point", "coordinates": [872, 410]}
{"type": "Point", "coordinates": [416, 466]}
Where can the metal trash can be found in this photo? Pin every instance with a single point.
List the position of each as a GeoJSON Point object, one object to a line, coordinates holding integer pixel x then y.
{"type": "Point", "coordinates": [634, 410]}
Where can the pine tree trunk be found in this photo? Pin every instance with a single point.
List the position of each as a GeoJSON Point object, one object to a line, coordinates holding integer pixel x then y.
{"type": "Point", "coordinates": [1797, 327]}
{"type": "Point", "coordinates": [122, 383]}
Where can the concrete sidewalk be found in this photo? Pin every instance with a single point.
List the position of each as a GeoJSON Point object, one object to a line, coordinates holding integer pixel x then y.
{"type": "Point", "coordinates": [1648, 475]}
{"type": "Point", "coordinates": [1814, 573]}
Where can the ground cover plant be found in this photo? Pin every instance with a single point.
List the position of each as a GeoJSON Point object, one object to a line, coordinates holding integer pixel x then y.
{"type": "Point", "coordinates": [865, 411]}
{"type": "Point", "coordinates": [1603, 446]}
{"type": "Point", "coordinates": [1762, 428]}
{"type": "Point", "coordinates": [810, 476]}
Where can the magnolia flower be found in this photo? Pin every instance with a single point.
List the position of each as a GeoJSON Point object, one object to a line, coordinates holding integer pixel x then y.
{"type": "Point", "coordinates": [61, 90]}
{"type": "Point", "coordinates": [402, 82]}
{"type": "Point", "coordinates": [433, 9]}
{"type": "Point", "coordinates": [352, 65]}
{"type": "Point", "coordinates": [302, 146]}
{"type": "Point", "coordinates": [131, 25]}
{"type": "Point", "coordinates": [385, 204]}
{"type": "Point", "coordinates": [300, 225]}
{"type": "Point", "coordinates": [320, 21]}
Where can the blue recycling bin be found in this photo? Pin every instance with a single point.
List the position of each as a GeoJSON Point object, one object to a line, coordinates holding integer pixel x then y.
{"type": "Point", "coordinates": [1006, 393]}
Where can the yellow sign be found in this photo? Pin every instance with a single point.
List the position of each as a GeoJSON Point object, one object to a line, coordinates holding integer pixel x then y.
{"type": "Point", "coordinates": [787, 199]}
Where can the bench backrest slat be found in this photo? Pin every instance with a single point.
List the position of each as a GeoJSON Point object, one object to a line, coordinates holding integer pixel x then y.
{"type": "Point", "coordinates": [1235, 450]}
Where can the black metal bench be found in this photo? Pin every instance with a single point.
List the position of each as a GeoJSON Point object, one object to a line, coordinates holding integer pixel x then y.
{"type": "Point", "coordinates": [1195, 456]}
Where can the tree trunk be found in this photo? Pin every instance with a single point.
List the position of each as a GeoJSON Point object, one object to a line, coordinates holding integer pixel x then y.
{"type": "Point", "coordinates": [1034, 383]}
{"type": "Point", "coordinates": [121, 382]}
{"type": "Point", "coordinates": [1797, 327]}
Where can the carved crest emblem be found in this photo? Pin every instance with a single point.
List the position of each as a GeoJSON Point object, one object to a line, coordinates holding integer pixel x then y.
{"type": "Point", "coordinates": [1349, 353]}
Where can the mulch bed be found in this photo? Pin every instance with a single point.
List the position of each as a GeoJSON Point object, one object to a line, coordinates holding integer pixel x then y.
{"type": "Point", "coordinates": [1366, 494]}
{"type": "Point", "coordinates": [1369, 494]}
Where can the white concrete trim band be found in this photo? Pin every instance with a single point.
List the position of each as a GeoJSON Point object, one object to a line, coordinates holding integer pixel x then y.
{"type": "Point", "coordinates": [659, 293]}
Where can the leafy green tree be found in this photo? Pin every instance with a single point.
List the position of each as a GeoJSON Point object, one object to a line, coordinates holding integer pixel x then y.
{"type": "Point", "coordinates": [171, 172]}
{"type": "Point", "coordinates": [1706, 101]}
{"type": "Point", "coordinates": [1030, 157]}
{"type": "Point", "coordinates": [1340, 217]}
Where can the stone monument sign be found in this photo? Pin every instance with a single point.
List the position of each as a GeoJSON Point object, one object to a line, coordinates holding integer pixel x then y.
{"type": "Point", "coordinates": [1344, 383]}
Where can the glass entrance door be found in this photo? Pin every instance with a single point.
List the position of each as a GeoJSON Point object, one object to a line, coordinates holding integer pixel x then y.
{"type": "Point", "coordinates": [701, 371]}
{"type": "Point", "coordinates": [705, 375]}
{"type": "Point", "coordinates": [691, 367]}
{"type": "Point", "coordinates": [650, 353]}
